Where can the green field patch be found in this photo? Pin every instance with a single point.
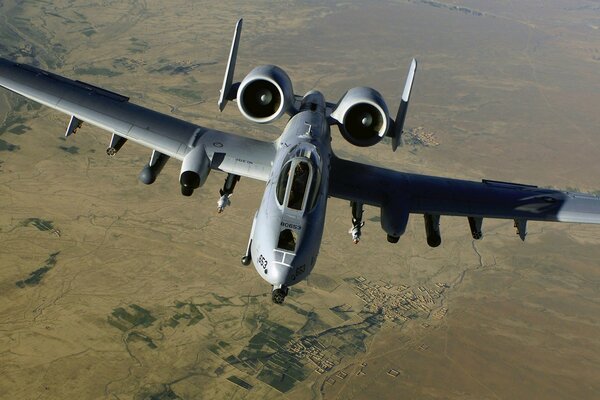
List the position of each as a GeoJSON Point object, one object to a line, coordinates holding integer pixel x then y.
{"type": "Point", "coordinates": [296, 292]}
{"type": "Point", "coordinates": [31, 106]}
{"type": "Point", "coordinates": [221, 299]}
{"type": "Point", "coordinates": [281, 358]}
{"type": "Point", "coordinates": [313, 324]}
{"type": "Point", "coordinates": [36, 276]}
{"type": "Point", "coordinates": [240, 382]}
{"type": "Point", "coordinates": [452, 7]}
{"type": "Point", "coordinates": [243, 366]}
{"type": "Point", "coordinates": [255, 346]}
{"type": "Point", "coordinates": [349, 340]}
{"type": "Point", "coordinates": [279, 381]}
{"type": "Point", "coordinates": [5, 146]}
{"type": "Point", "coordinates": [29, 30]}
{"type": "Point", "coordinates": [177, 68]}
{"type": "Point", "coordinates": [79, 15]}
{"type": "Point", "coordinates": [97, 71]}
{"type": "Point", "coordinates": [12, 118]}
{"type": "Point", "coordinates": [138, 45]}
{"type": "Point", "coordinates": [211, 307]}
{"type": "Point", "coordinates": [60, 16]}
{"type": "Point", "coordinates": [117, 324]}
{"type": "Point", "coordinates": [187, 312]}
{"type": "Point", "coordinates": [194, 320]}
{"type": "Point", "coordinates": [194, 308]}
{"type": "Point", "coordinates": [342, 311]}
{"type": "Point", "coordinates": [213, 348]}
{"type": "Point", "coordinates": [232, 360]}
{"type": "Point", "coordinates": [183, 92]}
{"type": "Point", "coordinates": [134, 317]}
{"type": "Point", "coordinates": [256, 354]}
{"type": "Point", "coordinates": [89, 32]}
{"type": "Point", "coordinates": [266, 352]}
{"type": "Point", "coordinates": [180, 304]}
{"type": "Point", "coordinates": [297, 371]}
{"type": "Point", "coordinates": [163, 392]}
{"type": "Point", "coordinates": [297, 309]}
{"type": "Point", "coordinates": [70, 149]}
{"type": "Point", "coordinates": [19, 129]}
{"type": "Point", "coordinates": [259, 340]}
{"type": "Point", "coordinates": [125, 63]}
{"type": "Point", "coordinates": [139, 337]}
{"type": "Point", "coordinates": [322, 282]}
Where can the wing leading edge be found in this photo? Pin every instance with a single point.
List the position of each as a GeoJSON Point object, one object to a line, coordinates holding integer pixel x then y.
{"type": "Point", "coordinates": [113, 112]}
{"type": "Point", "coordinates": [399, 194]}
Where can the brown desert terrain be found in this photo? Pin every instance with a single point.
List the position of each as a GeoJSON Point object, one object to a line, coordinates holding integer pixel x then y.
{"type": "Point", "coordinates": [116, 290]}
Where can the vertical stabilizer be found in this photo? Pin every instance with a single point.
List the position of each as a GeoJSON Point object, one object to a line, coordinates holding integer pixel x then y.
{"type": "Point", "coordinates": [403, 109]}
{"type": "Point", "coordinates": [226, 90]}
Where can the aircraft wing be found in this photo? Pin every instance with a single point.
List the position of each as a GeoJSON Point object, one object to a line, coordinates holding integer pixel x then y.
{"type": "Point", "coordinates": [399, 194]}
{"type": "Point", "coordinates": [113, 112]}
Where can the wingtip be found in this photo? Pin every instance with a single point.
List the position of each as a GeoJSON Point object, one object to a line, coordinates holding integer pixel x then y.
{"type": "Point", "coordinates": [413, 64]}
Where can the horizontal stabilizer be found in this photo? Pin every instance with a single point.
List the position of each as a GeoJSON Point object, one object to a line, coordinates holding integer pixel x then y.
{"type": "Point", "coordinates": [403, 109]}
{"type": "Point", "coordinates": [226, 89]}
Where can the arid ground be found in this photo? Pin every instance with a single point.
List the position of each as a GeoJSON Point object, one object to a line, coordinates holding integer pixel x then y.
{"type": "Point", "coordinates": [113, 289]}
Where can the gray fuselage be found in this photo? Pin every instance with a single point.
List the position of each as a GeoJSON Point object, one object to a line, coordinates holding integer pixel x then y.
{"type": "Point", "coordinates": [288, 226]}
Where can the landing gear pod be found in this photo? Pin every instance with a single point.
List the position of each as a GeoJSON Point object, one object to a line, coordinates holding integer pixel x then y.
{"type": "Point", "coordinates": [394, 218]}
{"type": "Point", "coordinates": [152, 169]}
{"type": "Point", "coordinates": [432, 230]}
{"type": "Point", "coordinates": [194, 170]}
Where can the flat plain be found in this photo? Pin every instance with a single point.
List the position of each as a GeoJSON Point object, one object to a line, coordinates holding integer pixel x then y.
{"type": "Point", "coordinates": [113, 289]}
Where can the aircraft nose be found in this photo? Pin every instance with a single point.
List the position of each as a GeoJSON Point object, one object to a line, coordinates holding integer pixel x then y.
{"type": "Point", "coordinates": [278, 275]}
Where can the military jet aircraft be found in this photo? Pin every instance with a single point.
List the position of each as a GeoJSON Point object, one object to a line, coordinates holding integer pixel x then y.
{"type": "Point", "coordinates": [300, 169]}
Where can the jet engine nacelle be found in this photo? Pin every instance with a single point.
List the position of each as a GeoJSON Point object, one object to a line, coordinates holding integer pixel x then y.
{"type": "Point", "coordinates": [265, 94]}
{"type": "Point", "coordinates": [194, 170]}
{"type": "Point", "coordinates": [362, 116]}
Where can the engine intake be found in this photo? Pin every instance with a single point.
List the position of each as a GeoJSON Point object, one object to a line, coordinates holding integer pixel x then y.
{"type": "Point", "coordinates": [265, 94]}
{"type": "Point", "coordinates": [362, 116]}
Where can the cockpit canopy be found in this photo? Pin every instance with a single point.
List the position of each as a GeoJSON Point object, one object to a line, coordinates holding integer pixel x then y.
{"type": "Point", "coordinates": [298, 185]}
